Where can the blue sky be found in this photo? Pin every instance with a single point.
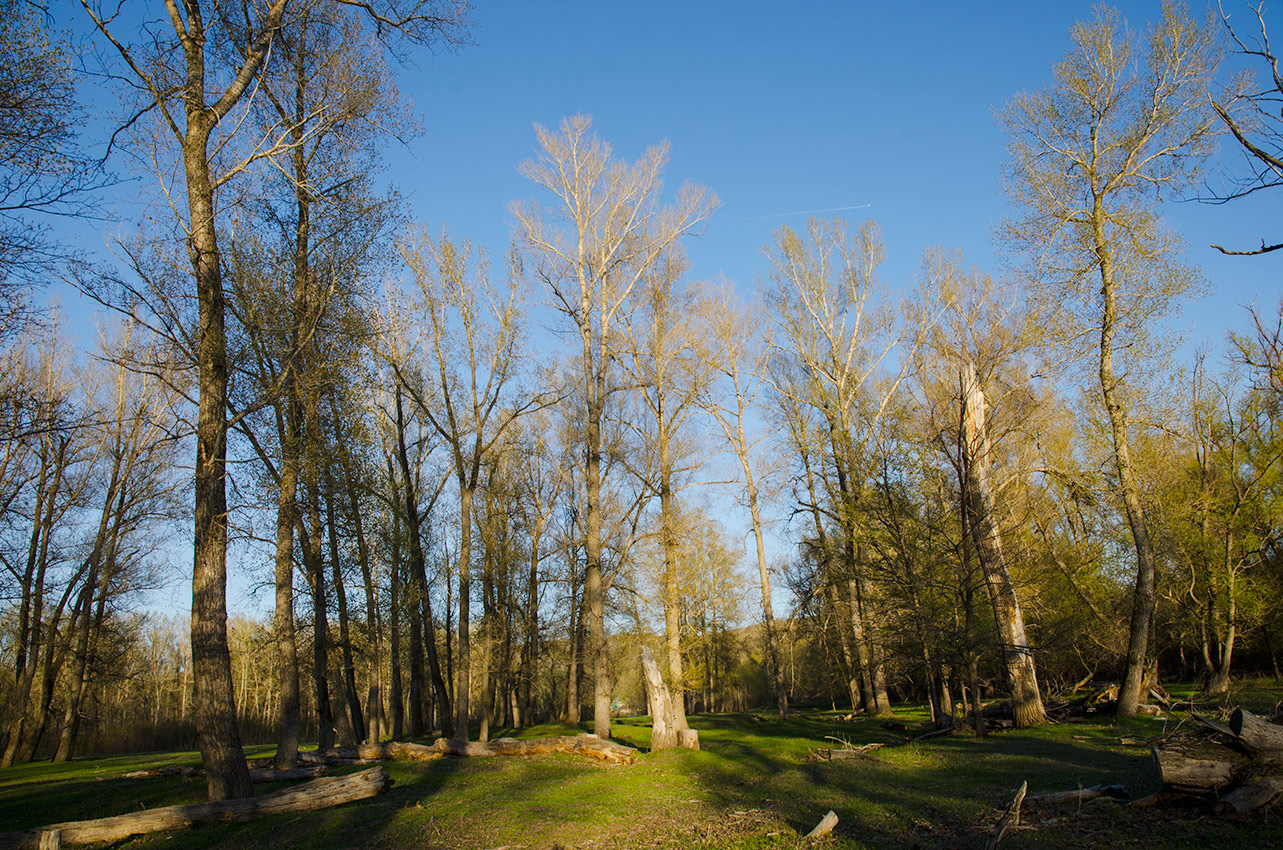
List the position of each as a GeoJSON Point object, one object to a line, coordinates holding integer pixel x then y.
{"type": "Point", "coordinates": [779, 109]}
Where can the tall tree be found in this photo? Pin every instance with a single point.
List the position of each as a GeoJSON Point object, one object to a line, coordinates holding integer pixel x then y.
{"type": "Point", "coordinates": [605, 231]}
{"type": "Point", "coordinates": [193, 71]}
{"type": "Point", "coordinates": [664, 332]}
{"type": "Point", "coordinates": [1089, 158]}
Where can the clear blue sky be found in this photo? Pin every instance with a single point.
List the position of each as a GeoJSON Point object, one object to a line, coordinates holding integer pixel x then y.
{"type": "Point", "coordinates": [779, 109]}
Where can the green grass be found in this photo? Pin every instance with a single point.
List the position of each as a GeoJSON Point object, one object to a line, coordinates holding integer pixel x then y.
{"type": "Point", "coordinates": [751, 786]}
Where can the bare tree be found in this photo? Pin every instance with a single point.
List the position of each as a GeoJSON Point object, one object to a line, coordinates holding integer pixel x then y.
{"type": "Point", "coordinates": [44, 172]}
{"type": "Point", "coordinates": [605, 231]}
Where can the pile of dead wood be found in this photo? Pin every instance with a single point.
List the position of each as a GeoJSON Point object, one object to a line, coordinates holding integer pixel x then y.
{"type": "Point", "coordinates": [1104, 700]}
{"type": "Point", "coordinates": [1236, 767]}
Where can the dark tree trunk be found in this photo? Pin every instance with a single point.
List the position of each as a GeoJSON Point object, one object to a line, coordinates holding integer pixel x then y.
{"type": "Point", "coordinates": [310, 536]}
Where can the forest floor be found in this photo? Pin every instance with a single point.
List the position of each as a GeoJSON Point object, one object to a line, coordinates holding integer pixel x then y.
{"type": "Point", "coordinates": [753, 785]}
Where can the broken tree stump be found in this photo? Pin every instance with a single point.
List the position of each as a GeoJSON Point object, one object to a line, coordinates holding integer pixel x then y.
{"type": "Point", "coordinates": [663, 719]}
{"type": "Point", "coordinates": [825, 826]}
{"type": "Point", "coordinates": [310, 796]}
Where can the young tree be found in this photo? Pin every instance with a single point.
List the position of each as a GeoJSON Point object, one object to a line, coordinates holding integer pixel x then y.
{"type": "Point", "coordinates": [738, 353]}
{"type": "Point", "coordinates": [605, 232]}
{"type": "Point", "coordinates": [1089, 158]}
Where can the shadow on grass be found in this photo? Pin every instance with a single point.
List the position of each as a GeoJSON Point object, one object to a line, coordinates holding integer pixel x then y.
{"type": "Point", "coordinates": [931, 794]}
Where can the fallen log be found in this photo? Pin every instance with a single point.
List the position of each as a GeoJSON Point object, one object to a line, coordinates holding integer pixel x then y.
{"type": "Point", "coordinates": [256, 774]}
{"type": "Point", "coordinates": [1262, 738]}
{"type": "Point", "coordinates": [1080, 795]}
{"type": "Point", "coordinates": [184, 771]}
{"type": "Point", "coordinates": [848, 752]}
{"type": "Point", "coordinates": [317, 794]}
{"type": "Point", "coordinates": [1251, 795]}
{"type": "Point", "coordinates": [1200, 770]}
{"type": "Point", "coordinates": [588, 745]}
{"type": "Point", "coordinates": [385, 751]}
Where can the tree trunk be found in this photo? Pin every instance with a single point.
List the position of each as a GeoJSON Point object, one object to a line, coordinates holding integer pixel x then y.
{"type": "Point", "coordinates": [217, 732]}
{"type": "Point", "coordinates": [287, 518]}
{"type": "Point", "coordinates": [419, 575]}
{"type": "Point", "coordinates": [530, 648]}
{"type": "Point", "coordinates": [355, 715]}
{"type": "Point", "coordinates": [594, 594]}
{"type": "Point", "coordinates": [375, 721]}
{"type": "Point", "coordinates": [310, 536]}
{"type": "Point", "coordinates": [395, 603]}
{"type": "Point", "coordinates": [463, 670]}
{"type": "Point", "coordinates": [1026, 700]}
{"type": "Point", "coordinates": [1144, 596]}
{"type": "Point", "coordinates": [672, 593]}
{"type": "Point", "coordinates": [575, 641]}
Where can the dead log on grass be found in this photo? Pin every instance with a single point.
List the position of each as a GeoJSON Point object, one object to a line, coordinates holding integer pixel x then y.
{"type": "Point", "coordinates": [1198, 769]}
{"type": "Point", "coordinates": [256, 774]}
{"type": "Point", "coordinates": [1242, 774]}
{"type": "Point", "coordinates": [587, 745]}
{"type": "Point", "coordinates": [1251, 795]}
{"type": "Point", "coordinates": [310, 796]}
{"type": "Point", "coordinates": [1078, 796]}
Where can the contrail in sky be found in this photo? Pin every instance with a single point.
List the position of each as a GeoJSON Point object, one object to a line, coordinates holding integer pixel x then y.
{"type": "Point", "coordinates": [803, 212]}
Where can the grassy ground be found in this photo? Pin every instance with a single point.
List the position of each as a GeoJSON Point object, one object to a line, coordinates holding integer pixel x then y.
{"type": "Point", "coordinates": [752, 786]}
